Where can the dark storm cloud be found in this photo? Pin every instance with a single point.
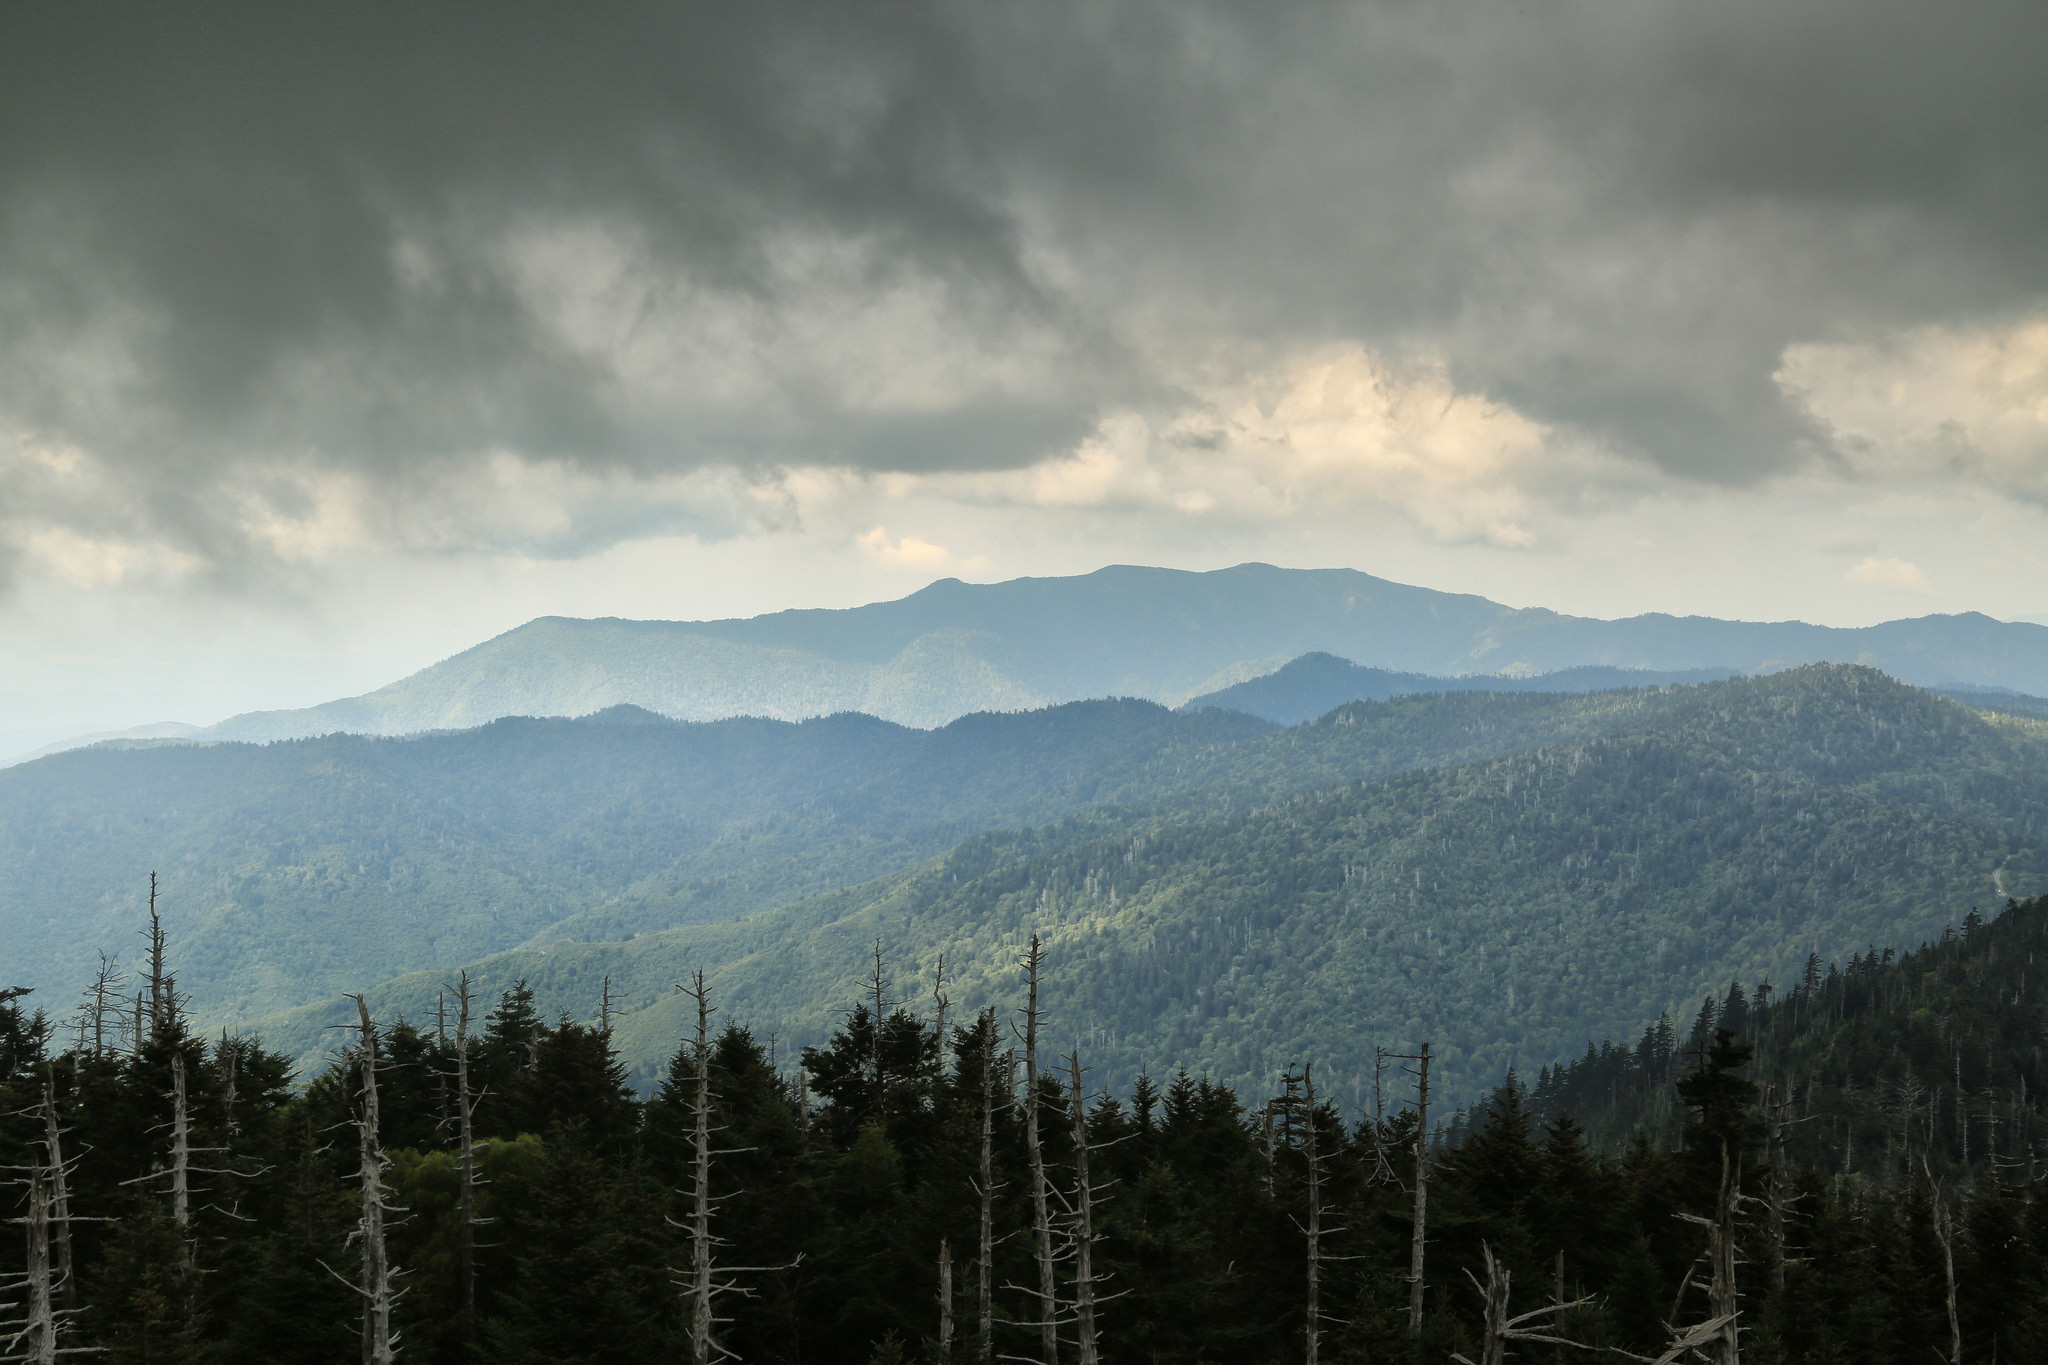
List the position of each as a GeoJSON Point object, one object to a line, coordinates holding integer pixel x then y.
{"type": "Point", "coordinates": [242, 182]}
{"type": "Point", "coordinates": [241, 233]}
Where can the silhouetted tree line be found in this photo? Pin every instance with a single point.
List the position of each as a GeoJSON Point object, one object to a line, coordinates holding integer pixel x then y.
{"type": "Point", "coordinates": [933, 1184]}
{"type": "Point", "coordinates": [1895, 1067]}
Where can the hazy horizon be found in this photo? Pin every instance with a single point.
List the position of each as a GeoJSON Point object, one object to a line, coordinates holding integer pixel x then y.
{"type": "Point", "coordinates": [15, 743]}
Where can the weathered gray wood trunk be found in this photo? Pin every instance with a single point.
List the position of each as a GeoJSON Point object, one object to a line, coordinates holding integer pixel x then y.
{"type": "Point", "coordinates": [1041, 1214]}
{"type": "Point", "coordinates": [1420, 1237]}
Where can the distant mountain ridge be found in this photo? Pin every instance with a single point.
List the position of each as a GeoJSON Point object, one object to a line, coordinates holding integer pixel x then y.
{"type": "Point", "coordinates": [1165, 635]}
{"type": "Point", "coordinates": [1317, 684]}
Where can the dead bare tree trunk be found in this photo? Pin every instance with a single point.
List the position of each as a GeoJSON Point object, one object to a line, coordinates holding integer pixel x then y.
{"type": "Point", "coordinates": [1087, 1349]}
{"type": "Point", "coordinates": [444, 1114]}
{"type": "Point", "coordinates": [703, 1284]}
{"type": "Point", "coordinates": [1500, 1329]}
{"type": "Point", "coordinates": [1725, 1300]}
{"type": "Point", "coordinates": [1494, 1293]}
{"type": "Point", "coordinates": [1724, 1306]}
{"type": "Point", "coordinates": [700, 1292]}
{"type": "Point", "coordinates": [1944, 1232]}
{"type": "Point", "coordinates": [106, 985]}
{"type": "Point", "coordinates": [1313, 1154]}
{"type": "Point", "coordinates": [465, 1160]}
{"type": "Point", "coordinates": [181, 1165]}
{"type": "Point", "coordinates": [1041, 1217]}
{"type": "Point", "coordinates": [60, 1191]}
{"type": "Point", "coordinates": [102, 986]}
{"type": "Point", "coordinates": [706, 1279]}
{"type": "Point", "coordinates": [33, 1336]}
{"type": "Point", "coordinates": [1420, 1238]}
{"type": "Point", "coordinates": [379, 1345]}
{"type": "Point", "coordinates": [1776, 1196]}
{"type": "Point", "coordinates": [945, 1301]}
{"type": "Point", "coordinates": [878, 991]}
{"type": "Point", "coordinates": [39, 1324]}
{"type": "Point", "coordinates": [157, 977]}
{"type": "Point", "coordinates": [985, 1187]}
{"type": "Point", "coordinates": [1948, 1270]}
{"type": "Point", "coordinates": [165, 1028]}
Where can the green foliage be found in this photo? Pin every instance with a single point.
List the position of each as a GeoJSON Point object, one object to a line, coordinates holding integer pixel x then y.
{"type": "Point", "coordinates": [1317, 684]}
{"type": "Point", "coordinates": [1926, 1061]}
{"type": "Point", "coordinates": [1393, 864]}
{"type": "Point", "coordinates": [1652, 846]}
{"type": "Point", "coordinates": [840, 1193]}
{"type": "Point", "coordinates": [296, 871]}
{"type": "Point", "coordinates": [2015, 704]}
{"type": "Point", "coordinates": [1504, 876]}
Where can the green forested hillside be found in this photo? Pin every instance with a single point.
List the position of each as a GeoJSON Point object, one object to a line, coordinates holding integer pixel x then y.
{"type": "Point", "coordinates": [2000, 703]}
{"type": "Point", "coordinates": [1317, 684]}
{"type": "Point", "coordinates": [1506, 908]}
{"type": "Point", "coordinates": [1504, 877]}
{"type": "Point", "coordinates": [1890, 1062]}
{"type": "Point", "coordinates": [907, 1191]}
{"type": "Point", "coordinates": [291, 869]}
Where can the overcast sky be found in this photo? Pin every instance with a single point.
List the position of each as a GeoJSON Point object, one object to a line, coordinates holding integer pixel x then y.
{"type": "Point", "coordinates": [334, 338]}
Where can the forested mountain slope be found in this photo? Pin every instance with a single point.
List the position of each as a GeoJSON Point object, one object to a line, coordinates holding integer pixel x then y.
{"type": "Point", "coordinates": [1889, 1062]}
{"type": "Point", "coordinates": [953, 648]}
{"type": "Point", "coordinates": [553, 1222]}
{"type": "Point", "coordinates": [291, 869]}
{"type": "Point", "coordinates": [1317, 684]}
{"type": "Point", "coordinates": [1506, 908]}
{"type": "Point", "coordinates": [2000, 702]}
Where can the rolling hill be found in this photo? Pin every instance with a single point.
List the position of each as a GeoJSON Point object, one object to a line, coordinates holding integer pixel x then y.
{"type": "Point", "coordinates": [288, 868]}
{"type": "Point", "coordinates": [1317, 684]}
{"type": "Point", "coordinates": [1859, 1044]}
{"type": "Point", "coordinates": [292, 869]}
{"type": "Point", "coordinates": [1508, 906]}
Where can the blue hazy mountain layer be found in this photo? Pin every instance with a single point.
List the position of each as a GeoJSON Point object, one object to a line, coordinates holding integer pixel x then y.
{"type": "Point", "coordinates": [297, 867]}
{"type": "Point", "coordinates": [1316, 684]}
{"type": "Point", "coordinates": [955, 648]}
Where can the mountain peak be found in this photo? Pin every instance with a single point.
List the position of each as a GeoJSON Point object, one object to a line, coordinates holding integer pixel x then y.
{"type": "Point", "coordinates": [953, 648]}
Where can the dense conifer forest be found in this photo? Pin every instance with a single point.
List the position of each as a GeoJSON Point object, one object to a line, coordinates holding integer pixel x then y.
{"type": "Point", "coordinates": [1899, 1059]}
{"type": "Point", "coordinates": [1847, 1167]}
{"type": "Point", "coordinates": [905, 932]}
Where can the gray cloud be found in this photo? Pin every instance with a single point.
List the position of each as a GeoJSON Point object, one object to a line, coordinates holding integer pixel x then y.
{"type": "Point", "coordinates": [384, 241]}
